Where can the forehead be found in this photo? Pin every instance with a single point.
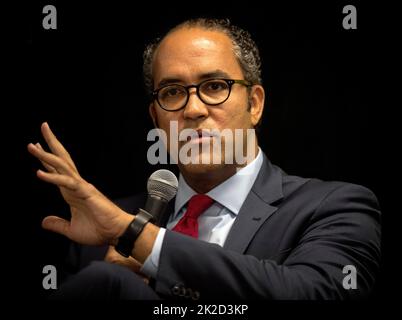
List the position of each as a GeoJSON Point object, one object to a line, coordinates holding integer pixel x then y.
{"type": "Point", "coordinates": [189, 53]}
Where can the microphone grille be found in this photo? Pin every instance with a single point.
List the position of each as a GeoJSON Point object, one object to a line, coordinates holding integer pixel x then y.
{"type": "Point", "coordinates": [163, 183]}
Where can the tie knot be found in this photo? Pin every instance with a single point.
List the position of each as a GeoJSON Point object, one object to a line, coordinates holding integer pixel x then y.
{"type": "Point", "coordinates": [198, 204]}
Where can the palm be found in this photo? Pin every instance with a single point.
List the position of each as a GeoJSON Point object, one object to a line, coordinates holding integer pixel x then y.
{"type": "Point", "coordinates": [91, 218]}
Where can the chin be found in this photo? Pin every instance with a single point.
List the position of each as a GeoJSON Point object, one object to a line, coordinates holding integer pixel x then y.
{"type": "Point", "coordinates": [203, 163]}
{"type": "Point", "coordinates": [201, 168]}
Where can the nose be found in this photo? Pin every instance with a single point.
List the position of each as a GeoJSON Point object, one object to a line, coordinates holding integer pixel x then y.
{"type": "Point", "coordinates": [195, 108]}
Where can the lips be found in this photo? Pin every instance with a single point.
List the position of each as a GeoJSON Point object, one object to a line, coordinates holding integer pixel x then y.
{"type": "Point", "coordinates": [199, 135]}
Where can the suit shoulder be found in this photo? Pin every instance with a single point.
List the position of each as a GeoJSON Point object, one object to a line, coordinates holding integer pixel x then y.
{"type": "Point", "coordinates": [329, 196]}
{"type": "Point", "coordinates": [322, 189]}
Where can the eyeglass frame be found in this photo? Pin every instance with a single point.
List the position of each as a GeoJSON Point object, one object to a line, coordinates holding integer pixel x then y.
{"type": "Point", "coordinates": [230, 83]}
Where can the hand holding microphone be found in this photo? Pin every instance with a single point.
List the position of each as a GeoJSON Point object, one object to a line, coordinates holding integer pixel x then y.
{"type": "Point", "coordinates": [162, 187]}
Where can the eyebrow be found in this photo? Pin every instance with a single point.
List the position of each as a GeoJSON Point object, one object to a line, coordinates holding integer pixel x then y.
{"type": "Point", "coordinates": [209, 75]}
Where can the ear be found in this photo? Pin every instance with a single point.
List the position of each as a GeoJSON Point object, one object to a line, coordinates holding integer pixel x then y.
{"type": "Point", "coordinates": [152, 113]}
{"type": "Point", "coordinates": [257, 99]}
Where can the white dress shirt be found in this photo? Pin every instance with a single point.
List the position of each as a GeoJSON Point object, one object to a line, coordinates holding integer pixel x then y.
{"type": "Point", "coordinates": [215, 223]}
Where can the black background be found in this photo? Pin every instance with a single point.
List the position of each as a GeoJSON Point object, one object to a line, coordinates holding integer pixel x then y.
{"type": "Point", "coordinates": [322, 117]}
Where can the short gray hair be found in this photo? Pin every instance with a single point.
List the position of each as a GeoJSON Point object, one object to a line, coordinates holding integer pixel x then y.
{"type": "Point", "coordinates": [244, 47]}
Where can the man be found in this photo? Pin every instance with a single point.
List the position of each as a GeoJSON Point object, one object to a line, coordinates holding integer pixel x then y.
{"type": "Point", "coordinates": [262, 234]}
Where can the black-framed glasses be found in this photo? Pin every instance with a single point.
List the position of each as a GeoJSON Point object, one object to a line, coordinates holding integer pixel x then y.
{"type": "Point", "coordinates": [212, 92]}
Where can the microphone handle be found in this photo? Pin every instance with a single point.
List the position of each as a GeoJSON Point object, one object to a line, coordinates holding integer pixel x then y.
{"type": "Point", "coordinates": [156, 206]}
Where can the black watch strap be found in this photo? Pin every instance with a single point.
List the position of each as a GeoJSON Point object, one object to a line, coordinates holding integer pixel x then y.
{"type": "Point", "coordinates": [126, 242]}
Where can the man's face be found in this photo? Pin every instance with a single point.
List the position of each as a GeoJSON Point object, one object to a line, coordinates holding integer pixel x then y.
{"type": "Point", "coordinates": [189, 56]}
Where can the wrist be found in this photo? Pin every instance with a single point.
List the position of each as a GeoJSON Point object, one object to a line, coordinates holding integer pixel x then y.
{"type": "Point", "coordinates": [145, 242]}
{"type": "Point", "coordinates": [124, 221]}
{"type": "Point", "coordinates": [127, 240]}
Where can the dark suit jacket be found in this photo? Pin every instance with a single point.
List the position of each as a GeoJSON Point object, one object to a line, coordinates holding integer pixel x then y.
{"type": "Point", "coordinates": [291, 240]}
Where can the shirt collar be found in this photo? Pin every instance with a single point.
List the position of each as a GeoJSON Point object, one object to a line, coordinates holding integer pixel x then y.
{"type": "Point", "coordinates": [231, 193]}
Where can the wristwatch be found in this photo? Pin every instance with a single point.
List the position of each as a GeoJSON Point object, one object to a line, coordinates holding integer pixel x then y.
{"type": "Point", "coordinates": [126, 242]}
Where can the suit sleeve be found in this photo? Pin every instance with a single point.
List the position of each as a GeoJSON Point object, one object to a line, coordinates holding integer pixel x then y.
{"type": "Point", "coordinates": [343, 230]}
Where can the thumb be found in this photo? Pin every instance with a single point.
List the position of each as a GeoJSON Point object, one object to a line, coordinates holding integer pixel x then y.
{"type": "Point", "coordinates": [56, 224]}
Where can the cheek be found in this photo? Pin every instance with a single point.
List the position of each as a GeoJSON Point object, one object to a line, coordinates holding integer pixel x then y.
{"type": "Point", "coordinates": [236, 117]}
{"type": "Point", "coordinates": [169, 123]}
{"type": "Point", "coordinates": [164, 118]}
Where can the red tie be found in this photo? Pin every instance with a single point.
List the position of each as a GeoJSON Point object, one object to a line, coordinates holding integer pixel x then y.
{"type": "Point", "coordinates": [188, 224]}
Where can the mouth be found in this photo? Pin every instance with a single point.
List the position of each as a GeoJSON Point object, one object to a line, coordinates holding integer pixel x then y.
{"type": "Point", "coordinates": [200, 135]}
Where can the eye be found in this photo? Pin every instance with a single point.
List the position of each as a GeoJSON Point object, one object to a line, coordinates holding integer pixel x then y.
{"type": "Point", "coordinates": [171, 92]}
{"type": "Point", "coordinates": [215, 85]}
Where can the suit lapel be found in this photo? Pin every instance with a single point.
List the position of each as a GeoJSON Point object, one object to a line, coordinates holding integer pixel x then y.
{"type": "Point", "coordinates": [251, 216]}
{"type": "Point", "coordinates": [257, 207]}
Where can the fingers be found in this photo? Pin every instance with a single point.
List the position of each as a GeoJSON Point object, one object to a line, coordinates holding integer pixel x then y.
{"type": "Point", "coordinates": [56, 224]}
{"type": "Point", "coordinates": [55, 146]}
{"type": "Point", "coordinates": [50, 159]}
{"type": "Point", "coordinates": [48, 167]}
{"type": "Point", "coordinates": [113, 256]}
{"type": "Point", "coordinates": [59, 180]}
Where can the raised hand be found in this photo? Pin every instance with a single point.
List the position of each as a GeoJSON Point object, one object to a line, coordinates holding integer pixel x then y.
{"type": "Point", "coordinates": [95, 219]}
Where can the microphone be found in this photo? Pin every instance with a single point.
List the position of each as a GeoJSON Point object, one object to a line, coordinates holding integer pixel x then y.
{"type": "Point", "coordinates": [162, 187]}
